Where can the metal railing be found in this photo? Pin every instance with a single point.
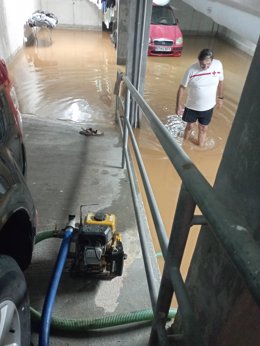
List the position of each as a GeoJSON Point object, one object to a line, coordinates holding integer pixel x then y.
{"type": "Point", "coordinates": [242, 249]}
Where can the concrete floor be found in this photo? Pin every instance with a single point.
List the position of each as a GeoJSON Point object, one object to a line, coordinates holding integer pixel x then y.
{"type": "Point", "coordinates": [65, 170]}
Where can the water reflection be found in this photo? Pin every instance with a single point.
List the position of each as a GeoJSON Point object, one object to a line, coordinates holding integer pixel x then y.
{"type": "Point", "coordinates": [71, 79]}
{"type": "Point", "coordinates": [39, 58]}
{"type": "Point", "coordinates": [175, 126]}
{"type": "Point", "coordinates": [75, 110]}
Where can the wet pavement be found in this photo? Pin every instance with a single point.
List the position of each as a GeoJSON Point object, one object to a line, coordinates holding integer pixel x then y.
{"type": "Point", "coordinates": [66, 170]}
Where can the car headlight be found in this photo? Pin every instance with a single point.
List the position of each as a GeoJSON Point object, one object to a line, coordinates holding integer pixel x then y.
{"type": "Point", "coordinates": [179, 40]}
{"type": "Point", "coordinates": [150, 40]}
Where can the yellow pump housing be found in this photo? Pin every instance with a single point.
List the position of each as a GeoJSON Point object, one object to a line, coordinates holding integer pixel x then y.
{"type": "Point", "coordinates": [98, 248]}
{"type": "Point", "coordinates": [110, 220]}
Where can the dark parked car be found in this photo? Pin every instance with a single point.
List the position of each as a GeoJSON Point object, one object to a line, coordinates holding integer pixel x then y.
{"type": "Point", "coordinates": [17, 221]}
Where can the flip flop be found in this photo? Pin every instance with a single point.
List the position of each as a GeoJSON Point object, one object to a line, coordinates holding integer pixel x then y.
{"type": "Point", "coordinates": [90, 132]}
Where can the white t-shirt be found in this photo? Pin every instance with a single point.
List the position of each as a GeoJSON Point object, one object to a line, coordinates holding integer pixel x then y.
{"type": "Point", "coordinates": [202, 85]}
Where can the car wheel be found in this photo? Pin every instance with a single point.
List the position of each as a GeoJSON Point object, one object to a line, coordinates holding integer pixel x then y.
{"type": "Point", "coordinates": [15, 328]}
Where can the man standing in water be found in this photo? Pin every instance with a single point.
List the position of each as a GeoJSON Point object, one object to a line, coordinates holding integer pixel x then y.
{"type": "Point", "coordinates": [204, 83]}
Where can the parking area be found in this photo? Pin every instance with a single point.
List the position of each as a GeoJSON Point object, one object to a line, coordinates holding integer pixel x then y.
{"type": "Point", "coordinates": [61, 90]}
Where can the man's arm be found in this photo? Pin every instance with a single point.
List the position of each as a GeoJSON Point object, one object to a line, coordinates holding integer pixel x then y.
{"type": "Point", "coordinates": [220, 93]}
{"type": "Point", "coordinates": [179, 100]}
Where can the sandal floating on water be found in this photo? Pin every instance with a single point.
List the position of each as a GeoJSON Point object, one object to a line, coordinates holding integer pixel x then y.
{"type": "Point", "coordinates": [90, 132]}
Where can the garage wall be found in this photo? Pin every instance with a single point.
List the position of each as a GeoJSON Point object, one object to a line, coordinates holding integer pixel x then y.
{"type": "Point", "coordinates": [191, 21]}
{"type": "Point", "coordinates": [237, 41]}
{"type": "Point", "coordinates": [83, 14]}
{"type": "Point", "coordinates": [224, 17]}
{"type": "Point", "coordinates": [250, 6]}
{"type": "Point", "coordinates": [13, 16]}
{"type": "Point", "coordinates": [232, 15]}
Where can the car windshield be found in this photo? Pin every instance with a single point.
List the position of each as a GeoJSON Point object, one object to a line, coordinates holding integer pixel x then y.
{"type": "Point", "coordinates": [163, 15]}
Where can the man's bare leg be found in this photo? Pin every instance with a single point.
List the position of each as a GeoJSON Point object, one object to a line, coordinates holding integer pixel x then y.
{"type": "Point", "coordinates": [202, 135]}
{"type": "Point", "coordinates": [188, 130]}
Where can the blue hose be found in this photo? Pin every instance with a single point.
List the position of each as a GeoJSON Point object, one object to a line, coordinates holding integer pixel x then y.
{"type": "Point", "coordinates": [53, 286]}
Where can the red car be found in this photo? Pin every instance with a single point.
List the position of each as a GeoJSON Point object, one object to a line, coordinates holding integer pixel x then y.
{"type": "Point", "coordinates": [18, 148]}
{"type": "Point", "coordinates": [18, 219]}
{"type": "Point", "coordinates": [166, 38]}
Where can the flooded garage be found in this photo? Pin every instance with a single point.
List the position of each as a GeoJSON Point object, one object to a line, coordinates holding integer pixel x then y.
{"type": "Point", "coordinates": [71, 79]}
{"type": "Point", "coordinates": [67, 83]}
{"type": "Point", "coordinates": [180, 268]}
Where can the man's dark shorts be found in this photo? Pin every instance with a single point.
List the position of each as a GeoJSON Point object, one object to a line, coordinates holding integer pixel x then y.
{"type": "Point", "coordinates": [191, 116]}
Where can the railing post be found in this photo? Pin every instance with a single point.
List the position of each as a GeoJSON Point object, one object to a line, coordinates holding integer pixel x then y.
{"type": "Point", "coordinates": [178, 238]}
{"type": "Point", "coordinates": [125, 134]}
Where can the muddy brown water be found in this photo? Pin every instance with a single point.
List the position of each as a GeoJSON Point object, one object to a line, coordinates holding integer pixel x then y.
{"type": "Point", "coordinates": [72, 79]}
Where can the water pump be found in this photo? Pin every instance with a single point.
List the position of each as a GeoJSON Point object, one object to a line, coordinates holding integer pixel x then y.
{"type": "Point", "coordinates": [98, 249]}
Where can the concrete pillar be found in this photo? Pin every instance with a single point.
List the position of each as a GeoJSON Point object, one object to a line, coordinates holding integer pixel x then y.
{"type": "Point", "coordinates": [138, 29]}
{"type": "Point", "coordinates": [122, 30]}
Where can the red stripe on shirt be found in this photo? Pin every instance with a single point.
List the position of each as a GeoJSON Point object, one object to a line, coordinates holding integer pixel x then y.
{"type": "Point", "coordinates": [204, 74]}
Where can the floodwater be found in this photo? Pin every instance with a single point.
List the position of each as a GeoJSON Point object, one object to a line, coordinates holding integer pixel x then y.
{"type": "Point", "coordinates": [72, 79]}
